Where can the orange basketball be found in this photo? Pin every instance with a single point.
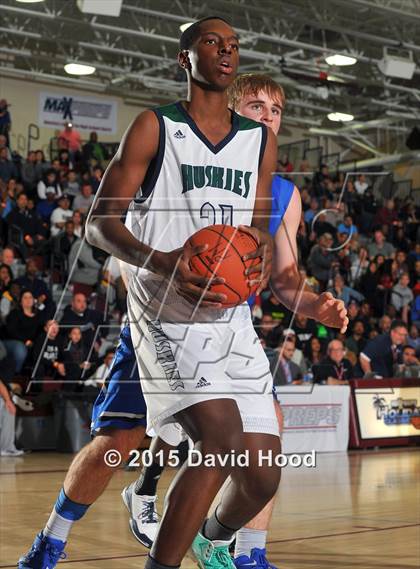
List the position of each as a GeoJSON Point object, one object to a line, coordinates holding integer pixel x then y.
{"type": "Point", "coordinates": [226, 247]}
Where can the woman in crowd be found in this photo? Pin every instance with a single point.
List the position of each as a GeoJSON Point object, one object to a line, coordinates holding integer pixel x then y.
{"type": "Point", "coordinates": [23, 324]}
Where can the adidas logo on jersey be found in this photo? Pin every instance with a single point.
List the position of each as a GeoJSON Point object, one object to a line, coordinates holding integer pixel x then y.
{"type": "Point", "coordinates": [202, 382]}
{"type": "Point", "coordinates": [179, 134]}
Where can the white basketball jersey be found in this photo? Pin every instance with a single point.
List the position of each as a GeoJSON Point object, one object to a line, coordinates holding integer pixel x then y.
{"type": "Point", "coordinates": [189, 185]}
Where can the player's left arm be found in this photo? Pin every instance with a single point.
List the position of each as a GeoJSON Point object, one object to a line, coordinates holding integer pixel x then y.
{"type": "Point", "coordinates": [287, 282]}
{"type": "Point", "coordinates": [260, 221]}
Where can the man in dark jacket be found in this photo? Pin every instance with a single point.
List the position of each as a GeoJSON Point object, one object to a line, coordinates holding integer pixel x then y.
{"type": "Point", "coordinates": [89, 321]}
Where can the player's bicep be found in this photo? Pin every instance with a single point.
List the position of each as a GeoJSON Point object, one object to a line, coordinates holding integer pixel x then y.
{"type": "Point", "coordinates": [285, 244]}
{"type": "Point", "coordinates": [262, 209]}
{"type": "Point", "coordinates": [127, 170]}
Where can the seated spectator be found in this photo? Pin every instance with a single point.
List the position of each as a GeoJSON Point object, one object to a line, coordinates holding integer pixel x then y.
{"type": "Point", "coordinates": [314, 352]}
{"type": "Point", "coordinates": [305, 329]}
{"type": "Point", "coordinates": [60, 215]}
{"type": "Point", "coordinates": [361, 184]}
{"type": "Point", "coordinates": [357, 341]}
{"type": "Point", "coordinates": [97, 379]}
{"type": "Point", "coordinates": [284, 370]}
{"type": "Point", "coordinates": [387, 215]}
{"type": "Point", "coordinates": [45, 208]}
{"type": "Point", "coordinates": [320, 179]}
{"type": "Point", "coordinates": [49, 184]}
{"type": "Point", "coordinates": [384, 324]}
{"type": "Point", "coordinates": [76, 358]}
{"type": "Point", "coordinates": [400, 241]}
{"type": "Point", "coordinates": [343, 292]}
{"type": "Point", "coordinates": [312, 211]}
{"type": "Point", "coordinates": [335, 369]}
{"type": "Point", "coordinates": [9, 301]}
{"type": "Point", "coordinates": [96, 178]}
{"type": "Point", "coordinates": [378, 246]}
{"type": "Point", "coordinates": [347, 226]}
{"type": "Point", "coordinates": [284, 164]}
{"type": "Point", "coordinates": [29, 173]}
{"type": "Point", "coordinates": [410, 366]}
{"type": "Point", "coordinates": [65, 164]}
{"type": "Point", "coordinates": [41, 165]}
{"type": "Point", "coordinates": [9, 196]}
{"type": "Point", "coordinates": [272, 305]}
{"type": "Point", "coordinates": [414, 338]}
{"type": "Point", "coordinates": [79, 222]}
{"type": "Point", "coordinates": [350, 199]}
{"type": "Point", "coordinates": [88, 320]}
{"type": "Point", "coordinates": [94, 150]}
{"type": "Point", "coordinates": [321, 226]}
{"type": "Point", "coordinates": [359, 265]}
{"type": "Point", "coordinates": [72, 186]}
{"type": "Point", "coordinates": [269, 330]}
{"type": "Point", "coordinates": [23, 324]}
{"type": "Point", "coordinates": [7, 167]}
{"type": "Point", "coordinates": [83, 267]}
{"type": "Point", "coordinates": [381, 354]}
{"type": "Point", "coordinates": [30, 225]}
{"type": "Point", "coordinates": [415, 311]}
{"type": "Point", "coordinates": [322, 260]}
{"type": "Point", "coordinates": [402, 296]}
{"type": "Point", "coordinates": [401, 263]}
{"type": "Point", "coordinates": [48, 354]}
{"type": "Point", "coordinates": [298, 358]}
{"type": "Point", "coordinates": [41, 293]}
{"type": "Point", "coordinates": [67, 238]}
{"type": "Point", "coordinates": [6, 278]}
{"type": "Point", "coordinates": [83, 201]}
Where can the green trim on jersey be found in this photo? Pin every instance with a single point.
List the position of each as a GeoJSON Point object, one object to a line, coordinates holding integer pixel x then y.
{"type": "Point", "coordinates": [247, 124]}
{"type": "Point", "coordinates": [171, 112]}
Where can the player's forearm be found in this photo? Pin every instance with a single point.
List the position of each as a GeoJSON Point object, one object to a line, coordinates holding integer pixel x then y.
{"type": "Point", "coordinates": [293, 292]}
{"type": "Point", "coordinates": [113, 237]}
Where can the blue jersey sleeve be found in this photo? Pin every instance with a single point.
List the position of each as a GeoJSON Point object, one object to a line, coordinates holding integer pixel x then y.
{"type": "Point", "coordinates": [281, 193]}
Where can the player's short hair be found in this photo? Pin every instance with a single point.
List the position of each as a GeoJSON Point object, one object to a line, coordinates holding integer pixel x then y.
{"type": "Point", "coordinates": [190, 35]}
{"type": "Point", "coordinates": [252, 84]}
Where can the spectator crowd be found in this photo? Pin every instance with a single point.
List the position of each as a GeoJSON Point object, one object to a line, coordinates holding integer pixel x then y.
{"type": "Point", "coordinates": [365, 252]}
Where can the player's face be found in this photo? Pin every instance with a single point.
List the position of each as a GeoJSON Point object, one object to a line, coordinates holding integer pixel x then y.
{"type": "Point", "coordinates": [262, 108]}
{"type": "Point", "coordinates": [214, 57]}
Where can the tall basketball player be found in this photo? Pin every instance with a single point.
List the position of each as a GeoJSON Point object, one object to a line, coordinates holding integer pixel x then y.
{"type": "Point", "coordinates": [119, 409]}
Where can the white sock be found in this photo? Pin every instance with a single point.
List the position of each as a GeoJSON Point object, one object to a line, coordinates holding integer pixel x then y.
{"type": "Point", "coordinates": [58, 527]}
{"type": "Point", "coordinates": [247, 539]}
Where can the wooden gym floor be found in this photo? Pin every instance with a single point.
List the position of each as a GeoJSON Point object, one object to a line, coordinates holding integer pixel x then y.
{"type": "Point", "coordinates": [357, 510]}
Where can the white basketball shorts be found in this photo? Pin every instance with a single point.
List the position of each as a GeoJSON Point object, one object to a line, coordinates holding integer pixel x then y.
{"type": "Point", "coordinates": [182, 364]}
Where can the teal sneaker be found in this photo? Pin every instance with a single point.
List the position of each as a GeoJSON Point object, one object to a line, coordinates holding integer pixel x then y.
{"type": "Point", "coordinates": [212, 554]}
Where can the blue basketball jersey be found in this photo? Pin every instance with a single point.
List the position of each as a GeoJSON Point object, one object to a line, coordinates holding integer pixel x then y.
{"type": "Point", "coordinates": [281, 192]}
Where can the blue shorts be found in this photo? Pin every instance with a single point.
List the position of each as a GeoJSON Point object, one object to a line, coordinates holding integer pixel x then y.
{"type": "Point", "coordinates": [120, 404]}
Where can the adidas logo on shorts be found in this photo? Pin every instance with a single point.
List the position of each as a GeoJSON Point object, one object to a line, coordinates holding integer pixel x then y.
{"type": "Point", "coordinates": [179, 134]}
{"type": "Point", "coordinates": [202, 382]}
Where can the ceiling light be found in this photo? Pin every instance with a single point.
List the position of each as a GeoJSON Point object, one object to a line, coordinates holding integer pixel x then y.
{"type": "Point", "coordinates": [340, 117]}
{"type": "Point", "coordinates": [29, 1]}
{"type": "Point", "coordinates": [338, 59]}
{"type": "Point", "coordinates": [185, 26]}
{"type": "Point", "coordinates": [79, 69]}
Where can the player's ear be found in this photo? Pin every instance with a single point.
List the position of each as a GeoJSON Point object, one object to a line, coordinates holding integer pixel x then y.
{"type": "Point", "coordinates": [183, 59]}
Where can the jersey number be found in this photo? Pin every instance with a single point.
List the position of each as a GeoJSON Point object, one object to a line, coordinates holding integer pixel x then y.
{"type": "Point", "coordinates": [221, 214]}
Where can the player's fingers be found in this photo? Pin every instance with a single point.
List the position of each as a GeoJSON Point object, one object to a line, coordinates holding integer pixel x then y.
{"type": "Point", "coordinates": [205, 295]}
{"type": "Point", "coordinates": [250, 231]}
{"type": "Point", "coordinates": [204, 282]}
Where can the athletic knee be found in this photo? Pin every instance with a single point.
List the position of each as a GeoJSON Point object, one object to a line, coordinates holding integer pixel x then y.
{"type": "Point", "coordinates": [262, 482]}
{"type": "Point", "coordinates": [120, 440]}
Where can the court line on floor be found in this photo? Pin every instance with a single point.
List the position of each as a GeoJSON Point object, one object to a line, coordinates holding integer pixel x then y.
{"type": "Point", "coordinates": [268, 543]}
{"type": "Point", "coordinates": [307, 538]}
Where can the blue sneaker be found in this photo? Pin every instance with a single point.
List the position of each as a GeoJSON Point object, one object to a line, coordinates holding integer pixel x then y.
{"type": "Point", "coordinates": [258, 560]}
{"type": "Point", "coordinates": [44, 554]}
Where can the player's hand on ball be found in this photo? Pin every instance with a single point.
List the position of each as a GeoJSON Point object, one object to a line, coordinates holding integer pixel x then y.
{"type": "Point", "coordinates": [331, 312]}
{"type": "Point", "coordinates": [259, 274]}
{"type": "Point", "coordinates": [189, 285]}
